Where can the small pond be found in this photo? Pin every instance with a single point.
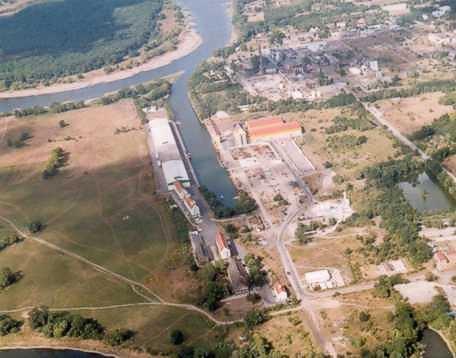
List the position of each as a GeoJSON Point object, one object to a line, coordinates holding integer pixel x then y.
{"type": "Point", "coordinates": [426, 196]}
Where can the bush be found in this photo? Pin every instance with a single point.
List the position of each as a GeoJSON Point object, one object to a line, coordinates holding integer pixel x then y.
{"type": "Point", "coordinates": [176, 337]}
{"type": "Point", "coordinates": [254, 318]}
{"type": "Point", "coordinates": [9, 325]}
{"type": "Point", "coordinates": [119, 336]}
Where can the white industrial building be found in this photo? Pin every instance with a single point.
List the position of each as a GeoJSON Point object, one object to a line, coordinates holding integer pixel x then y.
{"type": "Point", "coordinates": [324, 279]}
{"type": "Point", "coordinates": [167, 152]}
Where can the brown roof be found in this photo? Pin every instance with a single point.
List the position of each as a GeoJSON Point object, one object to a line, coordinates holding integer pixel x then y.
{"type": "Point", "coordinates": [263, 122]}
{"type": "Point", "coordinates": [178, 186]}
{"type": "Point", "coordinates": [283, 128]}
{"type": "Point", "coordinates": [220, 241]}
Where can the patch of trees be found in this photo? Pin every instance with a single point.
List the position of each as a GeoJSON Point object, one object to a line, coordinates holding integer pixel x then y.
{"type": "Point", "coordinates": [144, 93]}
{"type": "Point", "coordinates": [399, 219]}
{"type": "Point", "coordinates": [391, 173]}
{"type": "Point", "coordinates": [9, 240]}
{"type": "Point", "coordinates": [8, 277]}
{"type": "Point", "coordinates": [384, 288]}
{"type": "Point", "coordinates": [56, 161]}
{"type": "Point", "coordinates": [254, 318]}
{"type": "Point", "coordinates": [54, 108]}
{"type": "Point", "coordinates": [118, 336]}
{"type": "Point", "coordinates": [176, 337]}
{"type": "Point", "coordinates": [80, 36]}
{"type": "Point", "coordinates": [401, 222]}
{"type": "Point", "coordinates": [435, 171]}
{"type": "Point", "coordinates": [419, 88]}
{"type": "Point", "coordinates": [345, 141]}
{"type": "Point", "coordinates": [257, 274]}
{"type": "Point", "coordinates": [341, 124]}
{"type": "Point", "coordinates": [409, 324]}
{"type": "Point", "coordinates": [9, 325]}
{"type": "Point", "coordinates": [20, 141]}
{"type": "Point", "coordinates": [66, 324]}
{"type": "Point", "coordinates": [36, 226]}
{"type": "Point", "coordinates": [448, 99]}
{"type": "Point", "coordinates": [244, 204]}
{"type": "Point", "coordinates": [215, 285]}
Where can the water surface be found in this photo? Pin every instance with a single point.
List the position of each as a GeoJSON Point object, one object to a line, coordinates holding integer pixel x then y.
{"type": "Point", "coordinates": [426, 196]}
{"type": "Point", "coordinates": [48, 353]}
{"type": "Point", "coordinates": [435, 345]}
{"type": "Point", "coordinates": [214, 25]}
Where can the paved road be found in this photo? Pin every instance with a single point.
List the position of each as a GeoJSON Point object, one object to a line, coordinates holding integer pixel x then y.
{"type": "Point", "coordinates": [306, 298]}
{"type": "Point", "coordinates": [378, 115]}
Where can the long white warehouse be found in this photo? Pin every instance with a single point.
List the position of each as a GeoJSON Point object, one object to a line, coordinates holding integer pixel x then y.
{"type": "Point", "coordinates": [167, 152]}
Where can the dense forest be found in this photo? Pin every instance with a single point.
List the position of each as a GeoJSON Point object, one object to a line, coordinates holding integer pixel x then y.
{"type": "Point", "coordinates": [79, 36]}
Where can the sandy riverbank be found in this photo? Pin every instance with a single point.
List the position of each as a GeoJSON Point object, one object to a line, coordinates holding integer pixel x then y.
{"type": "Point", "coordinates": [189, 42]}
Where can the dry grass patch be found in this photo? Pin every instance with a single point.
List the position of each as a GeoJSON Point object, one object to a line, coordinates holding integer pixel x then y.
{"type": "Point", "coordinates": [101, 205]}
{"type": "Point", "coordinates": [412, 113]}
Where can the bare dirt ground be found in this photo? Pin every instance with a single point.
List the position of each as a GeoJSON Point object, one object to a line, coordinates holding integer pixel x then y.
{"type": "Point", "coordinates": [342, 321]}
{"type": "Point", "coordinates": [410, 114]}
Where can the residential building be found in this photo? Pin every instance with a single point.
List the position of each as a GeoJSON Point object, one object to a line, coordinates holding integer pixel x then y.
{"type": "Point", "coordinates": [222, 246]}
{"type": "Point", "coordinates": [187, 200]}
{"type": "Point", "coordinates": [280, 292]}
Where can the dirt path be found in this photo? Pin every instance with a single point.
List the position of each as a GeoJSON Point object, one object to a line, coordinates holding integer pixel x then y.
{"type": "Point", "coordinates": [154, 299]}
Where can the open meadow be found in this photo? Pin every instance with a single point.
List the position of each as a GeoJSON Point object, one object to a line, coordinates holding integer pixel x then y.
{"type": "Point", "coordinates": [100, 204]}
{"type": "Point", "coordinates": [410, 114]}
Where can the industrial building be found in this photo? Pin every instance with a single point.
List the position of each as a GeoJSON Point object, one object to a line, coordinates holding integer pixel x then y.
{"type": "Point", "coordinates": [271, 128]}
{"type": "Point", "coordinates": [324, 279]}
{"type": "Point", "coordinates": [167, 152]}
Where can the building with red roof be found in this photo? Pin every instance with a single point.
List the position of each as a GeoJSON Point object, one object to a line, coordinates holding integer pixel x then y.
{"type": "Point", "coordinates": [271, 128]}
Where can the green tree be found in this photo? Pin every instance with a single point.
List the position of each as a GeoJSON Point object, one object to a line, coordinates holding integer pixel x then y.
{"type": "Point", "coordinates": [7, 277]}
{"type": "Point", "coordinates": [176, 337]}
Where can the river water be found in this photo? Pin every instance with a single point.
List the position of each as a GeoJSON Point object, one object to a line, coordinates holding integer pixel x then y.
{"type": "Point", "coordinates": [214, 25]}
{"type": "Point", "coordinates": [48, 353]}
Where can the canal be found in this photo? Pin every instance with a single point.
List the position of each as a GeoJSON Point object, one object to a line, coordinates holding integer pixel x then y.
{"type": "Point", "coordinates": [213, 23]}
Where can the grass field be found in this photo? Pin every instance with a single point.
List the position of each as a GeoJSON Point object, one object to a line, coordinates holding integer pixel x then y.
{"type": "Point", "coordinates": [410, 114]}
{"type": "Point", "coordinates": [102, 204]}
{"type": "Point", "coordinates": [348, 162]}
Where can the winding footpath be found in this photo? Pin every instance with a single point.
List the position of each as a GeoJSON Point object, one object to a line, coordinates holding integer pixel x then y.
{"type": "Point", "coordinates": [154, 299]}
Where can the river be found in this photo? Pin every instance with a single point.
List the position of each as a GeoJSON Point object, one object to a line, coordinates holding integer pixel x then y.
{"type": "Point", "coordinates": [48, 353]}
{"type": "Point", "coordinates": [214, 25]}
